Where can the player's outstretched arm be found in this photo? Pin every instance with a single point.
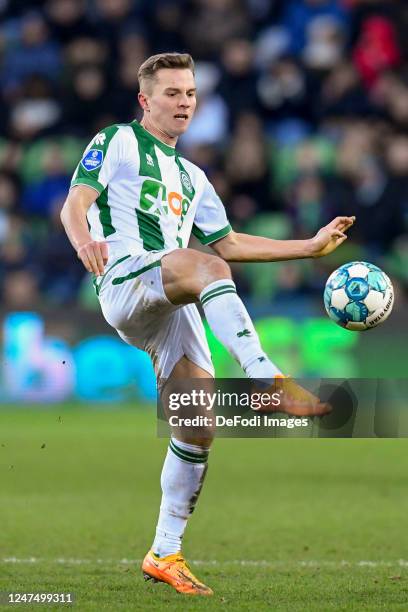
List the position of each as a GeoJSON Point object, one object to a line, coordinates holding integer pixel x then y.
{"type": "Point", "coordinates": [248, 248]}
{"type": "Point", "coordinates": [92, 253]}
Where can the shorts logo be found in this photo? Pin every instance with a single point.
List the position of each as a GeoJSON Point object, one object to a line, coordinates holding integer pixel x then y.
{"type": "Point", "coordinates": [92, 160]}
{"type": "Point", "coordinates": [244, 332]}
{"type": "Point", "coordinates": [185, 179]}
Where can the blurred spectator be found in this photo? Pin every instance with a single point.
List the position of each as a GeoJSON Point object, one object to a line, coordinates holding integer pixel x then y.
{"type": "Point", "coordinates": [342, 94]}
{"type": "Point", "coordinates": [357, 142]}
{"type": "Point", "coordinates": [15, 8]}
{"type": "Point", "coordinates": [206, 156]}
{"type": "Point", "coordinates": [312, 156]}
{"type": "Point", "coordinates": [210, 23]}
{"type": "Point", "coordinates": [9, 192]}
{"type": "Point", "coordinates": [246, 165]}
{"type": "Point", "coordinates": [376, 49]}
{"type": "Point", "coordinates": [41, 197]}
{"type": "Point", "coordinates": [67, 20]}
{"type": "Point", "coordinates": [113, 19]}
{"type": "Point", "coordinates": [210, 122]}
{"type": "Point", "coordinates": [133, 49]}
{"type": "Point", "coordinates": [61, 273]}
{"type": "Point", "coordinates": [324, 44]}
{"type": "Point", "coordinates": [86, 100]}
{"type": "Point", "coordinates": [375, 198]}
{"type": "Point", "coordinates": [34, 52]}
{"type": "Point", "coordinates": [166, 24]}
{"type": "Point", "coordinates": [397, 104]}
{"type": "Point", "coordinates": [271, 43]}
{"type": "Point", "coordinates": [242, 208]}
{"type": "Point", "coordinates": [299, 15]}
{"type": "Point", "coordinates": [306, 202]}
{"type": "Point", "coordinates": [84, 50]}
{"type": "Point", "coordinates": [16, 248]}
{"type": "Point", "coordinates": [397, 259]}
{"type": "Point", "coordinates": [37, 111]}
{"type": "Point", "coordinates": [302, 114]}
{"type": "Point", "coordinates": [397, 155]}
{"type": "Point", "coordinates": [397, 162]}
{"type": "Point", "coordinates": [238, 81]}
{"type": "Point", "coordinates": [20, 291]}
{"type": "Point", "coordinates": [262, 12]}
{"type": "Point", "coordinates": [9, 200]}
{"type": "Point", "coordinates": [284, 100]}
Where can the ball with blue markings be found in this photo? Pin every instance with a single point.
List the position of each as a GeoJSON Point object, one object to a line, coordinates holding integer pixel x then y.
{"type": "Point", "coordinates": [358, 296]}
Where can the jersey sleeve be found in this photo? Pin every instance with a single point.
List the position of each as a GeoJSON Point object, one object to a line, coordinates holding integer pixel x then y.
{"type": "Point", "coordinates": [210, 221]}
{"type": "Point", "coordinates": [100, 160]}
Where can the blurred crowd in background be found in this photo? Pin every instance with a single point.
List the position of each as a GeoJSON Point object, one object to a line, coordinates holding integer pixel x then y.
{"type": "Point", "coordinates": [302, 115]}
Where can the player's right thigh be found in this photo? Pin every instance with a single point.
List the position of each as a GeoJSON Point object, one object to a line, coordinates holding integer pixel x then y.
{"type": "Point", "coordinates": [133, 301]}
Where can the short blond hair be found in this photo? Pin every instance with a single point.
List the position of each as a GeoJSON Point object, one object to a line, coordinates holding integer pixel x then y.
{"type": "Point", "coordinates": [147, 71]}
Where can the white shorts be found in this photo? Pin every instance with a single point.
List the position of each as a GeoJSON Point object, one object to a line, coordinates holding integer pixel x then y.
{"type": "Point", "coordinates": [133, 301]}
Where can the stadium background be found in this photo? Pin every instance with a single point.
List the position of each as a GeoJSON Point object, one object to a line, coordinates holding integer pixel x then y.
{"type": "Point", "coordinates": [303, 115]}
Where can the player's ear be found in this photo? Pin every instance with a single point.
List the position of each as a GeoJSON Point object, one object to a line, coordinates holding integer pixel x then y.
{"type": "Point", "coordinates": [143, 101]}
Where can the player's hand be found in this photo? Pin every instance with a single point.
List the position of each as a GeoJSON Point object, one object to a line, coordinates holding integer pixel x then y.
{"type": "Point", "coordinates": [329, 237]}
{"type": "Point", "coordinates": [94, 256]}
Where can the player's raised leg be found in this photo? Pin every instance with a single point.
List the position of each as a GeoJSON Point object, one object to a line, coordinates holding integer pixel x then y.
{"type": "Point", "coordinates": [182, 478]}
{"type": "Point", "coordinates": [189, 276]}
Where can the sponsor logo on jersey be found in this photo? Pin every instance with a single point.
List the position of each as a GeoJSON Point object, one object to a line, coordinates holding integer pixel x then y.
{"type": "Point", "coordinates": [92, 160]}
{"type": "Point", "coordinates": [100, 139]}
{"type": "Point", "coordinates": [149, 159]}
{"type": "Point", "coordinates": [153, 197]}
{"type": "Point", "coordinates": [185, 179]}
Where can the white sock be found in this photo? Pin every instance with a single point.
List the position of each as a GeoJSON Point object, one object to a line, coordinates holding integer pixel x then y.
{"type": "Point", "coordinates": [231, 324]}
{"type": "Point", "coordinates": [182, 478]}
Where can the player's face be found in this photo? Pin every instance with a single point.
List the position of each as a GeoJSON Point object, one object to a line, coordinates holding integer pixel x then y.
{"type": "Point", "coordinates": [172, 100]}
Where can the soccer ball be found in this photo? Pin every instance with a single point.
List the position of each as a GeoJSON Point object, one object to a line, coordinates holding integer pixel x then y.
{"type": "Point", "coordinates": [358, 296]}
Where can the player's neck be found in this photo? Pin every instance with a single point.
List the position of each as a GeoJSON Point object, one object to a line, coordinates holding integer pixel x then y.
{"type": "Point", "coordinates": [147, 124]}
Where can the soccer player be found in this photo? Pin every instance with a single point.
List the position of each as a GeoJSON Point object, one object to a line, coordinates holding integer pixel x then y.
{"type": "Point", "coordinates": [133, 205]}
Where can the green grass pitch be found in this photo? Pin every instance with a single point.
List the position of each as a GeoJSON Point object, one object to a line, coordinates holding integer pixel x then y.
{"type": "Point", "coordinates": [281, 524]}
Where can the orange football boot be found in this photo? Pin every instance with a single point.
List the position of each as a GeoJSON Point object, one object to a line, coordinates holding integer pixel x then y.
{"type": "Point", "coordinates": [294, 399]}
{"type": "Point", "coordinates": [174, 570]}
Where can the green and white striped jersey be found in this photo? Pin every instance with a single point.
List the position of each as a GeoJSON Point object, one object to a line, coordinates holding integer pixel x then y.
{"type": "Point", "coordinates": [149, 197]}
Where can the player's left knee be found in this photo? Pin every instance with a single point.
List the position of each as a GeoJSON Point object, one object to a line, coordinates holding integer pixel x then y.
{"type": "Point", "coordinates": [217, 268]}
